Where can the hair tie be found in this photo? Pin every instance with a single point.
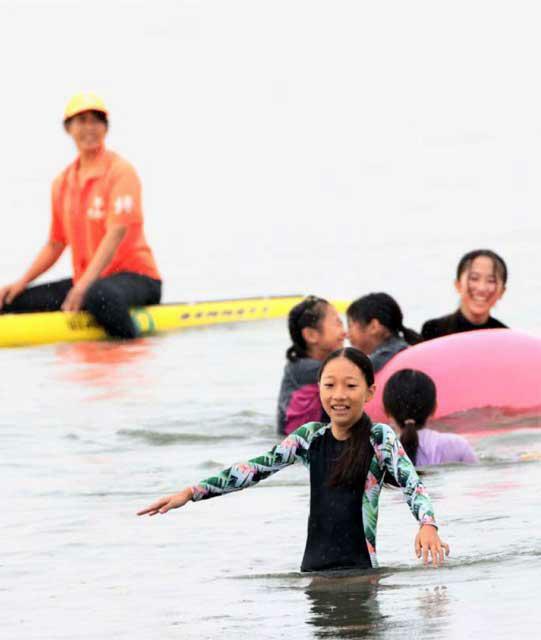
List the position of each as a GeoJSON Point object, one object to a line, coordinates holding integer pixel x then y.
{"type": "Point", "coordinates": [409, 421]}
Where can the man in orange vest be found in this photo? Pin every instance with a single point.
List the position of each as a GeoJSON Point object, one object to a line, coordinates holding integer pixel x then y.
{"type": "Point", "coordinates": [96, 210]}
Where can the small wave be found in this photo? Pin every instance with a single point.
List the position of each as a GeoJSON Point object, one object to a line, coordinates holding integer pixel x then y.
{"type": "Point", "coordinates": [364, 575]}
{"type": "Point", "coordinates": [456, 563]}
{"type": "Point", "coordinates": [475, 520]}
{"type": "Point", "coordinates": [210, 464]}
{"type": "Point", "coordinates": [494, 558]}
{"type": "Point", "coordinates": [246, 413]}
{"type": "Point", "coordinates": [370, 575]}
{"type": "Point", "coordinates": [163, 438]}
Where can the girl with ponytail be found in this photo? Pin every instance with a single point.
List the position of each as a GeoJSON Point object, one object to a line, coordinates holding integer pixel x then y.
{"type": "Point", "coordinates": [409, 399]}
{"type": "Point", "coordinates": [348, 461]}
{"type": "Point", "coordinates": [315, 329]}
{"type": "Point", "coordinates": [376, 326]}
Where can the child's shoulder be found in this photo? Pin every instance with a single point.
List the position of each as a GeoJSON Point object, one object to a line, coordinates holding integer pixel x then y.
{"type": "Point", "coordinates": [381, 432]}
{"type": "Point", "coordinates": [309, 430]}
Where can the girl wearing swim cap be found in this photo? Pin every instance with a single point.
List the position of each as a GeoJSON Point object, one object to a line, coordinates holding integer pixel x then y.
{"type": "Point", "coordinates": [348, 460]}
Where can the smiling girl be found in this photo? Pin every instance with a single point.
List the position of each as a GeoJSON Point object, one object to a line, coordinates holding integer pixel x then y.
{"type": "Point", "coordinates": [348, 460]}
{"type": "Point", "coordinates": [376, 327]}
{"type": "Point", "coordinates": [480, 282]}
{"type": "Point", "coordinates": [315, 329]}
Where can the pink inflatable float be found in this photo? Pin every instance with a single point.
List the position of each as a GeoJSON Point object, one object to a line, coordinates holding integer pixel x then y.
{"type": "Point", "coordinates": [489, 368]}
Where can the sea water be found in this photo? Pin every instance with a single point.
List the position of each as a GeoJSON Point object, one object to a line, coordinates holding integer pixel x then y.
{"type": "Point", "coordinates": [316, 147]}
{"type": "Point", "coordinates": [93, 432]}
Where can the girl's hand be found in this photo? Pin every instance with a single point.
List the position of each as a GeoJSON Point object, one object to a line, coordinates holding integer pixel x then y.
{"type": "Point", "coordinates": [428, 540]}
{"type": "Point", "coordinates": [163, 505]}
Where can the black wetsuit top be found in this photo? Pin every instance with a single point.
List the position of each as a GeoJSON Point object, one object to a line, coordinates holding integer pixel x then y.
{"type": "Point", "coordinates": [455, 323]}
{"type": "Point", "coordinates": [335, 524]}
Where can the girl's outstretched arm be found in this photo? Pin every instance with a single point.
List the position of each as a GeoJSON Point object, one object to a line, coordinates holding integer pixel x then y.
{"type": "Point", "coordinates": [242, 475]}
{"type": "Point", "coordinates": [393, 458]}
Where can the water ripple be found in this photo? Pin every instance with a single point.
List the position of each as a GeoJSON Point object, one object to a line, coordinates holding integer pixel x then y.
{"type": "Point", "coordinates": [161, 438]}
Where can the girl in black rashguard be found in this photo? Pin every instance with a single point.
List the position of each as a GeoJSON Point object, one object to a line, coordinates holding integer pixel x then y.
{"type": "Point", "coordinates": [348, 461]}
{"type": "Point", "coordinates": [480, 281]}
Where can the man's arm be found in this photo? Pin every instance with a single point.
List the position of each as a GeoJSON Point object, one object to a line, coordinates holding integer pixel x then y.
{"type": "Point", "coordinates": [103, 256]}
{"type": "Point", "coordinates": [45, 259]}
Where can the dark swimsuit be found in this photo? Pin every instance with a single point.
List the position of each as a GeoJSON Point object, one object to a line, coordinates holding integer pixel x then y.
{"type": "Point", "coordinates": [335, 524]}
{"type": "Point", "coordinates": [455, 323]}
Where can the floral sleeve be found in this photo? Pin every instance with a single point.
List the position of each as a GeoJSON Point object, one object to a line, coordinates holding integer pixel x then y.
{"type": "Point", "coordinates": [392, 458]}
{"type": "Point", "coordinates": [245, 474]}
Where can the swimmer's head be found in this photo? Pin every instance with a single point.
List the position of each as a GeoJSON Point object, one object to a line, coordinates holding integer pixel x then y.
{"type": "Point", "coordinates": [315, 328]}
{"type": "Point", "coordinates": [480, 283]}
{"type": "Point", "coordinates": [355, 357]}
{"type": "Point", "coordinates": [409, 396]}
{"type": "Point", "coordinates": [346, 383]}
{"type": "Point", "coordinates": [373, 319]}
{"type": "Point", "coordinates": [499, 268]}
{"type": "Point", "coordinates": [409, 399]}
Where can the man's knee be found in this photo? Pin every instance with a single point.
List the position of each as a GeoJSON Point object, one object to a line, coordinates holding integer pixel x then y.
{"type": "Point", "coordinates": [95, 298]}
{"type": "Point", "coordinates": [100, 297]}
{"type": "Point", "coordinates": [109, 307]}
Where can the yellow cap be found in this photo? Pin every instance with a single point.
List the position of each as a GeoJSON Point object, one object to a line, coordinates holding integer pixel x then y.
{"type": "Point", "coordinates": [84, 102]}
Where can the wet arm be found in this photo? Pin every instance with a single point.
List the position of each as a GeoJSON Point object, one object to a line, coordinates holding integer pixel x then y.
{"type": "Point", "coordinates": [393, 458]}
{"type": "Point", "coordinates": [45, 259]}
{"type": "Point", "coordinates": [243, 475]}
{"type": "Point", "coordinates": [103, 256]}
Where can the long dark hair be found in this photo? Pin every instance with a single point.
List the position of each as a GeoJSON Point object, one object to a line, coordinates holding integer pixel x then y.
{"type": "Point", "coordinates": [352, 467]}
{"type": "Point", "coordinates": [409, 397]}
{"type": "Point", "coordinates": [383, 307]}
{"type": "Point", "coordinates": [308, 313]}
{"type": "Point", "coordinates": [500, 268]}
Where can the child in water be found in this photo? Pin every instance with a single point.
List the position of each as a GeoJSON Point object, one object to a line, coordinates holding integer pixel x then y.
{"type": "Point", "coordinates": [348, 460]}
{"type": "Point", "coordinates": [409, 399]}
{"type": "Point", "coordinates": [376, 326]}
{"type": "Point", "coordinates": [481, 278]}
{"type": "Point", "coordinates": [315, 329]}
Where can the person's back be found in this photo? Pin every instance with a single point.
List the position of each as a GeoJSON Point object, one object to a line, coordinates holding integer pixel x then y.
{"type": "Point", "coordinates": [409, 399]}
{"type": "Point", "coordinates": [442, 448]}
{"type": "Point", "coordinates": [298, 400]}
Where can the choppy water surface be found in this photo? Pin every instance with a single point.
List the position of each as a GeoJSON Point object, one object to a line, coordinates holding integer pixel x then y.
{"type": "Point", "coordinates": [102, 429]}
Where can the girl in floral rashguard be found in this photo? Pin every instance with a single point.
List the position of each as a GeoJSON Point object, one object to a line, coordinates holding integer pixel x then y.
{"type": "Point", "coordinates": [348, 460]}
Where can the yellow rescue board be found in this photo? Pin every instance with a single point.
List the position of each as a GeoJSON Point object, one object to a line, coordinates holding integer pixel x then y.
{"type": "Point", "coordinates": [23, 329]}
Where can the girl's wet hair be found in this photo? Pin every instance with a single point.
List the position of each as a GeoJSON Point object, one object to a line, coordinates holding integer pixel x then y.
{"type": "Point", "coordinates": [382, 307]}
{"type": "Point", "coordinates": [409, 397]}
{"type": "Point", "coordinates": [352, 467]}
{"type": "Point", "coordinates": [500, 268]}
{"type": "Point", "coordinates": [308, 313]}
